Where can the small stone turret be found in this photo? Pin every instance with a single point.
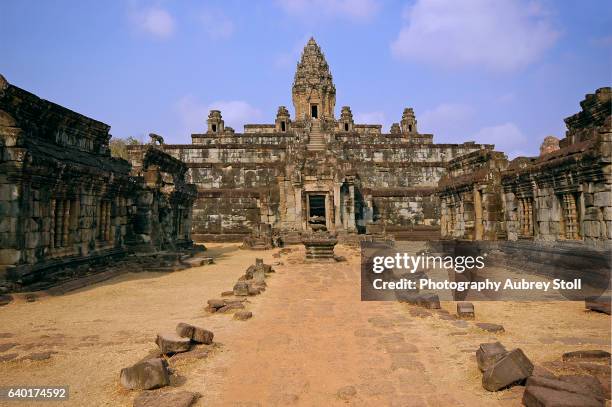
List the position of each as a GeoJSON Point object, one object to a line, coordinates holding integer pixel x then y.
{"type": "Point", "coordinates": [314, 93]}
{"type": "Point", "coordinates": [346, 119]}
{"type": "Point", "coordinates": [215, 122]}
{"type": "Point", "coordinates": [409, 123]}
{"type": "Point", "coordinates": [395, 128]}
{"type": "Point", "coordinates": [550, 144]}
{"type": "Point", "coordinates": [282, 119]}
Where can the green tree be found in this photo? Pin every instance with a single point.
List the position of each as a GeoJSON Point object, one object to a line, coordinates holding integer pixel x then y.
{"type": "Point", "coordinates": [118, 146]}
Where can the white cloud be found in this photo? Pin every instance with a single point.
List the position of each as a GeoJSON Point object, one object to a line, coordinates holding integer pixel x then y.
{"type": "Point", "coordinates": [501, 35]}
{"type": "Point", "coordinates": [217, 24]}
{"type": "Point", "coordinates": [355, 10]}
{"type": "Point", "coordinates": [507, 137]}
{"type": "Point", "coordinates": [193, 114]}
{"type": "Point", "coordinates": [446, 121]}
{"type": "Point", "coordinates": [154, 21]}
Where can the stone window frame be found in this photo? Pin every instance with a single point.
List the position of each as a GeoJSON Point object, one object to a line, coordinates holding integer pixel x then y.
{"type": "Point", "coordinates": [569, 220]}
{"type": "Point", "coordinates": [63, 215]}
{"type": "Point", "coordinates": [526, 217]}
{"type": "Point", "coordinates": [104, 221]}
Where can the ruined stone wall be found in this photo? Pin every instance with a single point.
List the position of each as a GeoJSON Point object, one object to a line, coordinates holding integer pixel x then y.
{"type": "Point", "coordinates": [567, 193]}
{"type": "Point", "coordinates": [62, 197]}
{"type": "Point", "coordinates": [470, 197]}
{"type": "Point", "coordinates": [162, 216]}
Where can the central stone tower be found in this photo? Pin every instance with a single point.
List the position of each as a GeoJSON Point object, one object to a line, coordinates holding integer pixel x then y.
{"type": "Point", "coordinates": [314, 93]}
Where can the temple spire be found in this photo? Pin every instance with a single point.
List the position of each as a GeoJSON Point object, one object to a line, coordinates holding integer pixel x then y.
{"type": "Point", "coordinates": [314, 93]}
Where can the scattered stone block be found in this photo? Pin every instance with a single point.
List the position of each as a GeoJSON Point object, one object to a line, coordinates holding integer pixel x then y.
{"type": "Point", "coordinates": [8, 357]}
{"type": "Point", "coordinates": [30, 297]}
{"type": "Point", "coordinates": [254, 290]}
{"type": "Point", "coordinates": [598, 304]}
{"type": "Point", "coordinates": [39, 355]}
{"type": "Point", "coordinates": [542, 372]}
{"type": "Point", "coordinates": [488, 354]}
{"type": "Point", "coordinates": [196, 334]}
{"type": "Point", "coordinates": [216, 303]}
{"type": "Point", "coordinates": [429, 301]}
{"type": "Point", "coordinates": [197, 352]}
{"type": "Point", "coordinates": [535, 396]}
{"type": "Point", "coordinates": [465, 310]}
{"type": "Point", "coordinates": [590, 384]}
{"type": "Point", "coordinates": [145, 375]}
{"type": "Point", "coordinates": [227, 293]}
{"type": "Point", "coordinates": [5, 299]}
{"type": "Point", "coordinates": [231, 307]}
{"type": "Point", "coordinates": [587, 355]}
{"type": "Point", "coordinates": [6, 346]}
{"type": "Point", "coordinates": [241, 288]}
{"type": "Point", "coordinates": [156, 399]}
{"type": "Point", "coordinates": [421, 313]}
{"type": "Point", "coordinates": [172, 343]}
{"type": "Point", "coordinates": [512, 368]}
{"type": "Point", "coordinates": [495, 328]}
{"type": "Point", "coordinates": [243, 315]}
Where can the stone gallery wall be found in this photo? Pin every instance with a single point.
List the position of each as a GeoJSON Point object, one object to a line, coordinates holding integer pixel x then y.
{"type": "Point", "coordinates": [565, 194]}
{"type": "Point", "coordinates": [62, 197]}
{"type": "Point", "coordinates": [64, 201]}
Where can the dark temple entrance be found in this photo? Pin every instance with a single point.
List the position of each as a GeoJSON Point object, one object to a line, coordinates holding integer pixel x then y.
{"type": "Point", "coordinates": [316, 212]}
{"type": "Point", "coordinates": [314, 111]}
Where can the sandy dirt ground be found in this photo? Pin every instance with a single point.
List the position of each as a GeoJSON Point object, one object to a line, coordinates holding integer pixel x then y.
{"type": "Point", "coordinates": [311, 342]}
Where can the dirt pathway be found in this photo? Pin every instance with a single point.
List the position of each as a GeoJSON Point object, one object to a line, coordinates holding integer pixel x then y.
{"type": "Point", "coordinates": [311, 342]}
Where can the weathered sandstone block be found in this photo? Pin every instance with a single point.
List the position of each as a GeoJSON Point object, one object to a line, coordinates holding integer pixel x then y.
{"type": "Point", "coordinates": [465, 310]}
{"type": "Point", "coordinates": [146, 375]}
{"type": "Point", "coordinates": [196, 334]}
{"type": "Point", "coordinates": [172, 343]}
{"type": "Point", "coordinates": [243, 315]}
{"type": "Point", "coordinates": [489, 353]}
{"type": "Point", "coordinates": [511, 368]}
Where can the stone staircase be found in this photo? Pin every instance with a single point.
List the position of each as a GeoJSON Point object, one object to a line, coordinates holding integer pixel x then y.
{"type": "Point", "coordinates": [316, 141]}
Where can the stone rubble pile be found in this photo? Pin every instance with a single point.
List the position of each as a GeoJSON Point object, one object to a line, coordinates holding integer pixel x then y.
{"type": "Point", "coordinates": [502, 369]}
{"type": "Point", "coordinates": [154, 372]}
{"type": "Point", "coordinates": [253, 282]}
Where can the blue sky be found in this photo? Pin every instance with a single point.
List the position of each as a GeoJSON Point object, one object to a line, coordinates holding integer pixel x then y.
{"type": "Point", "coordinates": [503, 72]}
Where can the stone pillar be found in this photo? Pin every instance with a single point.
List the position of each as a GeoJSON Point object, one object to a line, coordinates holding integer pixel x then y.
{"type": "Point", "coordinates": [329, 223]}
{"type": "Point", "coordinates": [478, 227]}
{"type": "Point", "coordinates": [298, 207]}
{"type": "Point", "coordinates": [351, 208]}
{"type": "Point", "coordinates": [369, 213]}
{"type": "Point", "coordinates": [337, 208]}
{"type": "Point", "coordinates": [59, 212]}
{"type": "Point", "coordinates": [282, 200]}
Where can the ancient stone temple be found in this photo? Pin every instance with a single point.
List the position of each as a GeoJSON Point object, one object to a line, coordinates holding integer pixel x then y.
{"type": "Point", "coordinates": [565, 194]}
{"type": "Point", "coordinates": [316, 171]}
{"type": "Point", "coordinates": [65, 202]}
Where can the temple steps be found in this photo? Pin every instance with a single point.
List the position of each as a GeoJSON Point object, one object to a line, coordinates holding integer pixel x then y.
{"type": "Point", "coordinates": [316, 141]}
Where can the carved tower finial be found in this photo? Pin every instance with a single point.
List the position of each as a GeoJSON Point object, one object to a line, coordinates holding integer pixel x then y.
{"type": "Point", "coordinates": [409, 123]}
{"type": "Point", "coordinates": [314, 93]}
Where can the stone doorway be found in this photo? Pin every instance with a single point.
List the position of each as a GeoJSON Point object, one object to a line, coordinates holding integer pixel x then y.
{"type": "Point", "coordinates": [317, 211]}
{"type": "Point", "coordinates": [314, 111]}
